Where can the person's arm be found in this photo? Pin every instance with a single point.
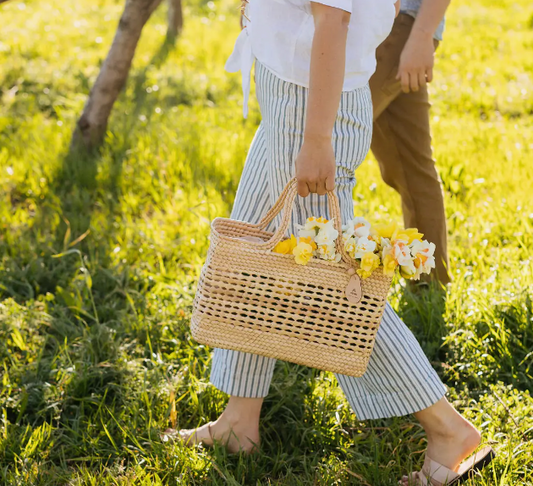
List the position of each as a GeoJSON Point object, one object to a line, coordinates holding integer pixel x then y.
{"type": "Point", "coordinates": [315, 164]}
{"type": "Point", "coordinates": [417, 58]}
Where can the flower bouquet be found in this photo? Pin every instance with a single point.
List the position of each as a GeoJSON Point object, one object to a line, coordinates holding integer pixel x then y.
{"type": "Point", "coordinates": [373, 246]}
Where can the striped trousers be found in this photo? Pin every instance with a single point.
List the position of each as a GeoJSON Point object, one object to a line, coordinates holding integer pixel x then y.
{"type": "Point", "coordinates": [399, 379]}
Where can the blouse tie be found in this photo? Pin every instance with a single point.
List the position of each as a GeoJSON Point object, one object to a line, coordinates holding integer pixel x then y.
{"type": "Point", "coordinates": [242, 59]}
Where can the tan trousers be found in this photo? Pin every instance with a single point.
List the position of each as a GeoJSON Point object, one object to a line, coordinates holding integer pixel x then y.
{"type": "Point", "coordinates": [401, 143]}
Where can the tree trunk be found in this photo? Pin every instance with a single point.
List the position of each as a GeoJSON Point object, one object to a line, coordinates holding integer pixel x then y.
{"type": "Point", "coordinates": [92, 125]}
{"type": "Point", "coordinates": [175, 18]}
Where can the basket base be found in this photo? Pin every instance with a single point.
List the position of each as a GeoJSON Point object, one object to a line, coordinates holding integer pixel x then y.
{"type": "Point", "coordinates": [221, 334]}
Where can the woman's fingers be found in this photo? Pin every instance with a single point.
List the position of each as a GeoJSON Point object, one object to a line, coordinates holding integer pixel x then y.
{"type": "Point", "coordinates": [312, 185]}
{"type": "Point", "coordinates": [319, 186]}
{"type": "Point", "coordinates": [315, 167]}
{"type": "Point", "coordinates": [302, 188]}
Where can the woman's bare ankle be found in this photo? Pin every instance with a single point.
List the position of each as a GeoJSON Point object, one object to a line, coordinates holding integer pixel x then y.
{"type": "Point", "coordinates": [242, 412]}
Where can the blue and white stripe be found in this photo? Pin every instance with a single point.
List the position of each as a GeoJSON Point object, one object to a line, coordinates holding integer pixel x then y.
{"type": "Point", "coordinates": [399, 379]}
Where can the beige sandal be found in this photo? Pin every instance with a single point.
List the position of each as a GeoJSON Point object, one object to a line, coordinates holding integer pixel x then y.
{"type": "Point", "coordinates": [435, 474]}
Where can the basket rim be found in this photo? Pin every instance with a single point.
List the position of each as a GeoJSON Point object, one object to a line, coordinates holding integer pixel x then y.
{"type": "Point", "coordinates": [266, 247]}
{"type": "Point", "coordinates": [235, 239]}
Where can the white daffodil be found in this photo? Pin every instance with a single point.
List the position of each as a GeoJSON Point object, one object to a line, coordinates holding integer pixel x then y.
{"type": "Point", "coordinates": [327, 234]}
{"type": "Point", "coordinates": [349, 245]}
{"type": "Point", "coordinates": [303, 233]}
{"type": "Point", "coordinates": [402, 253]}
{"type": "Point", "coordinates": [327, 252]}
{"type": "Point", "coordinates": [359, 227]}
{"type": "Point", "coordinates": [315, 223]}
{"type": "Point", "coordinates": [364, 245]}
{"type": "Point", "coordinates": [423, 254]}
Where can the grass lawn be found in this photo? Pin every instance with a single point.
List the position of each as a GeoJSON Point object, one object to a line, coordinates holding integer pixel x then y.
{"type": "Point", "coordinates": [99, 257]}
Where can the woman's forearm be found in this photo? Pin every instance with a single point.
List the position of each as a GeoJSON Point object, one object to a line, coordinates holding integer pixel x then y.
{"type": "Point", "coordinates": [328, 57]}
{"type": "Point", "coordinates": [315, 163]}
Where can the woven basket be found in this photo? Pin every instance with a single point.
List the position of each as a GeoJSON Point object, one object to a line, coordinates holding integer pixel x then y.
{"type": "Point", "coordinates": [254, 300]}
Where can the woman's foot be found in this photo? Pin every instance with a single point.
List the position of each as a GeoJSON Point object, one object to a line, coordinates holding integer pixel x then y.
{"type": "Point", "coordinates": [451, 438]}
{"type": "Point", "coordinates": [237, 428]}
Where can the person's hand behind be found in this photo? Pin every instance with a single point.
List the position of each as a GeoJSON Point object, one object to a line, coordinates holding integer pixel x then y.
{"type": "Point", "coordinates": [416, 62]}
{"type": "Point", "coordinates": [315, 167]}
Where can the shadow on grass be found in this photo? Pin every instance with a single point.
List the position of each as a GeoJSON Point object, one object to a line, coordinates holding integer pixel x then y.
{"type": "Point", "coordinates": [423, 310]}
{"type": "Point", "coordinates": [66, 259]}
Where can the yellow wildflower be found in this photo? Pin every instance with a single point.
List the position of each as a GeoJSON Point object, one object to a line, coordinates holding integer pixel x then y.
{"type": "Point", "coordinates": [285, 247]}
{"type": "Point", "coordinates": [303, 252]}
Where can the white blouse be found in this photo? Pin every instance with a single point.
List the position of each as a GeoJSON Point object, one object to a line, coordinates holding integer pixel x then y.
{"type": "Point", "coordinates": [280, 34]}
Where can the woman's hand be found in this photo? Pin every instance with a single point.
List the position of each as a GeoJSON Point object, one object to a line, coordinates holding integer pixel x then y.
{"type": "Point", "coordinates": [315, 166]}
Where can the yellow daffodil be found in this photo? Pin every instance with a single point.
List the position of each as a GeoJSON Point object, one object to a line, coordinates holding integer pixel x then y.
{"type": "Point", "coordinates": [385, 230]}
{"type": "Point", "coordinates": [363, 273]}
{"type": "Point", "coordinates": [369, 262]}
{"type": "Point", "coordinates": [393, 232]}
{"type": "Point", "coordinates": [409, 272]}
{"type": "Point", "coordinates": [303, 252]}
{"type": "Point", "coordinates": [308, 240]}
{"type": "Point", "coordinates": [408, 235]}
{"type": "Point", "coordinates": [285, 247]}
{"type": "Point", "coordinates": [389, 264]}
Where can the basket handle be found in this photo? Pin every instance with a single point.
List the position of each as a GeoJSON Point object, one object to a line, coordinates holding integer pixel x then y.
{"type": "Point", "coordinates": [285, 203]}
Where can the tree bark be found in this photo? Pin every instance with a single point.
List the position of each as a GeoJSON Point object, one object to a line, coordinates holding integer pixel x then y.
{"type": "Point", "coordinates": [175, 18]}
{"type": "Point", "coordinates": [92, 125]}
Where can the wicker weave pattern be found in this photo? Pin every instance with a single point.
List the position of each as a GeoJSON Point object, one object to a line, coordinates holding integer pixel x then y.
{"type": "Point", "coordinates": [253, 300]}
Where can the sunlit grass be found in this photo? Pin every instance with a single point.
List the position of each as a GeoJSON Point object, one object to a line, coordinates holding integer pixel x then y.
{"type": "Point", "coordinates": [95, 343]}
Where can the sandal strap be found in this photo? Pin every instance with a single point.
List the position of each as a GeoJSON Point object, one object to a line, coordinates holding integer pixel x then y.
{"type": "Point", "coordinates": [436, 474]}
{"type": "Point", "coordinates": [420, 478]}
